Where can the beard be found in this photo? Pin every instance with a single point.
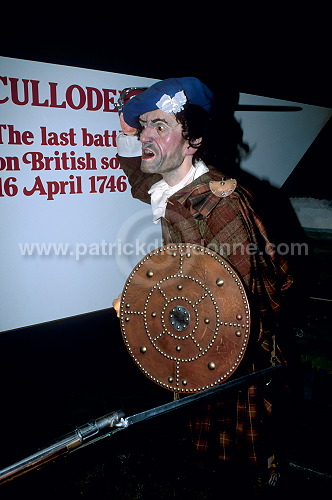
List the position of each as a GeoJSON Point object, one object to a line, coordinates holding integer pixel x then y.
{"type": "Point", "coordinates": [154, 162]}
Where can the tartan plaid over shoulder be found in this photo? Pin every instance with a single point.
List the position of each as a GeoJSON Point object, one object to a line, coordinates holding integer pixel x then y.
{"type": "Point", "coordinates": [233, 227]}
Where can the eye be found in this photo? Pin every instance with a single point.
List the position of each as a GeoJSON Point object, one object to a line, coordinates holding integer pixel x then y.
{"type": "Point", "coordinates": [161, 127]}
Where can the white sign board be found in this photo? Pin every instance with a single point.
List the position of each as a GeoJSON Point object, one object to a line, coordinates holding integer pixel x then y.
{"type": "Point", "coordinates": [69, 234]}
{"type": "Point", "coordinates": [279, 139]}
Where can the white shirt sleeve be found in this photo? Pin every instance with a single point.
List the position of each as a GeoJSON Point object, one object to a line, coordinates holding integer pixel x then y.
{"type": "Point", "coordinates": [128, 146]}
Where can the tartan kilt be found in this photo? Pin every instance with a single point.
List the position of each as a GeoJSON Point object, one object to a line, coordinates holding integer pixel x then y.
{"type": "Point", "coordinates": [233, 428]}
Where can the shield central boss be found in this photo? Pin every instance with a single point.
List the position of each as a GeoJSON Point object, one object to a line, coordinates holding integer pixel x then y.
{"type": "Point", "coordinates": [185, 317]}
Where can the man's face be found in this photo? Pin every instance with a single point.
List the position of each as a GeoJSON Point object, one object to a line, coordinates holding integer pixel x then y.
{"type": "Point", "coordinates": [163, 147]}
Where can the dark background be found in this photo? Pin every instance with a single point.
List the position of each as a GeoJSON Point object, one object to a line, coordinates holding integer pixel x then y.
{"type": "Point", "coordinates": [281, 53]}
{"type": "Point", "coordinates": [59, 375]}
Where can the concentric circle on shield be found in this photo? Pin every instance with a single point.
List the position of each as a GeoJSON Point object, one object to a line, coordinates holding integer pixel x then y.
{"type": "Point", "coordinates": [137, 236]}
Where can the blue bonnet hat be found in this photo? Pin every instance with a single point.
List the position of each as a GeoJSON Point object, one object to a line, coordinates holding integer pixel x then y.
{"type": "Point", "coordinates": [168, 95]}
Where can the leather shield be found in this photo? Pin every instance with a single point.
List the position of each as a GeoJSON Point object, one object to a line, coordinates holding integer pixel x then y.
{"type": "Point", "coordinates": [185, 317]}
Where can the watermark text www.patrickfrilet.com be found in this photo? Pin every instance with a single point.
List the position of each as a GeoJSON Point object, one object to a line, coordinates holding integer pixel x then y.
{"type": "Point", "coordinates": [80, 250]}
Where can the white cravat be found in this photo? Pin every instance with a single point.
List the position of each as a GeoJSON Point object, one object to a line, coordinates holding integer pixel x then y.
{"type": "Point", "coordinates": [161, 191]}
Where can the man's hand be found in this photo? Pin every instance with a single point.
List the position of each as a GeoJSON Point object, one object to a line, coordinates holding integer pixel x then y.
{"type": "Point", "coordinates": [116, 305]}
{"type": "Point", "coordinates": [126, 129]}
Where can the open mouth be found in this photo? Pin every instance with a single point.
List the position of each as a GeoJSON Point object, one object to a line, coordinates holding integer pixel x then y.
{"type": "Point", "coordinates": [147, 154]}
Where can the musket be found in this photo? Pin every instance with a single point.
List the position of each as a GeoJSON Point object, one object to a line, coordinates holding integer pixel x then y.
{"type": "Point", "coordinates": [107, 425]}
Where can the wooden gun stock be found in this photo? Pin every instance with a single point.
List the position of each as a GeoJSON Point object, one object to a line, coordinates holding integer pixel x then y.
{"type": "Point", "coordinates": [87, 434]}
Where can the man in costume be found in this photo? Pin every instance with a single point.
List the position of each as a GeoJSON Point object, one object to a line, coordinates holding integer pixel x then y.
{"type": "Point", "coordinates": [182, 154]}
